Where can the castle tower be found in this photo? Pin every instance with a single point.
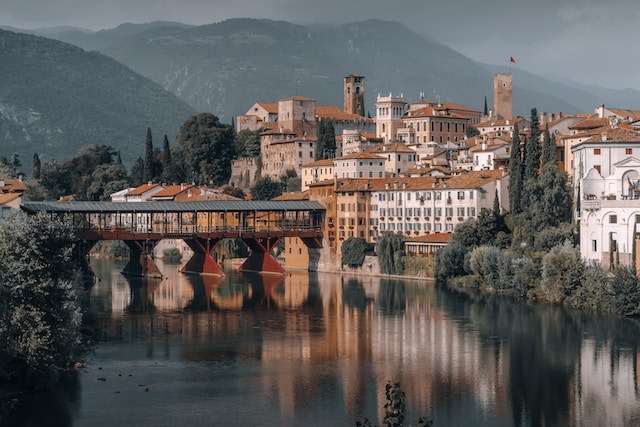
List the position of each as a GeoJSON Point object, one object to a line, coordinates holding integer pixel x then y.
{"type": "Point", "coordinates": [389, 111]}
{"type": "Point", "coordinates": [298, 115]}
{"type": "Point", "coordinates": [503, 96]}
{"type": "Point", "coordinates": [354, 94]}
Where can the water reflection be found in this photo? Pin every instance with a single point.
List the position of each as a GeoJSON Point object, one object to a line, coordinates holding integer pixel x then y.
{"type": "Point", "coordinates": [313, 349]}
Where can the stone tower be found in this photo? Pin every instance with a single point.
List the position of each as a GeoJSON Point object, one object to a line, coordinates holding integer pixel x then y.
{"type": "Point", "coordinates": [354, 94]}
{"type": "Point", "coordinates": [503, 96]}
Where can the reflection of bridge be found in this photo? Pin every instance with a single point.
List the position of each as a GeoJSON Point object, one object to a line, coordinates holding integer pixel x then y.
{"type": "Point", "coordinates": [202, 225]}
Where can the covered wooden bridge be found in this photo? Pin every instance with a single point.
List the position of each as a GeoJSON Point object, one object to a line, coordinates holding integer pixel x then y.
{"type": "Point", "coordinates": [201, 224]}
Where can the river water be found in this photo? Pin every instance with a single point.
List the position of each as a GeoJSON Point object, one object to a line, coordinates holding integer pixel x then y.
{"type": "Point", "coordinates": [318, 349]}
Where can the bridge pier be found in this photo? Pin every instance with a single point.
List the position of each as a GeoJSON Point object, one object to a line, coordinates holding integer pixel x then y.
{"type": "Point", "coordinates": [202, 262]}
{"type": "Point", "coordinates": [260, 260]}
{"type": "Point", "coordinates": [141, 259]}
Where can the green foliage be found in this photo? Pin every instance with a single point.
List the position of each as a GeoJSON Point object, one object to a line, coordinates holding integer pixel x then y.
{"type": "Point", "coordinates": [482, 230]}
{"type": "Point", "coordinates": [472, 131]}
{"type": "Point", "coordinates": [326, 146]}
{"type": "Point", "coordinates": [247, 143]}
{"type": "Point", "coordinates": [171, 256]}
{"type": "Point", "coordinates": [532, 149]}
{"type": "Point", "coordinates": [562, 273]}
{"type": "Point", "coordinates": [549, 156]}
{"type": "Point", "coordinates": [354, 250]}
{"type": "Point", "coordinates": [40, 315]}
{"type": "Point", "coordinates": [208, 148]}
{"type": "Point", "coordinates": [419, 266]}
{"type": "Point", "coordinates": [111, 249]}
{"type": "Point", "coordinates": [266, 189]}
{"type": "Point", "coordinates": [149, 172]}
{"type": "Point", "coordinates": [390, 253]}
{"type": "Point", "coordinates": [105, 180]}
{"type": "Point", "coordinates": [450, 261]}
{"type": "Point", "coordinates": [37, 166]}
{"type": "Point", "coordinates": [515, 173]}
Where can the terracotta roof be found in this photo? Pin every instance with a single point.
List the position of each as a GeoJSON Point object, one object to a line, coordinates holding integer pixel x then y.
{"type": "Point", "coordinates": [9, 197]}
{"type": "Point", "coordinates": [396, 147]}
{"type": "Point", "coordinates": [321, 162]}
{"type": "Point", "coordinates": [360, 155]}
{"type": "Point", "coordinates": [590, 123]}
{"type": "Point", "coordinates": [617, 134]}
{"type": "Point", "coordinates": [12, 185]}
{"type": "Point", "coordinates": [438, 112]}
{"type": "Point", "coordinates": [633, 114]}
{"type": "Point", "coordinates": [175, 191]}
{"type": "Point", "coordinates": [471, 179]}
{"type": "Point", "coordinates": [298, 195]}
{"type": "Point", "coordinates": [270, 107]}
{"type": "Point", "coordinates": [297, 98]}
{"type": "Point", "coordinates": [448, 105]}
{"type": "Point", "coordinates": [211, 196]}
{"type": "Point", "coordinates": [431, 238]}
{"type": "Point", "coordinates": [379, 184]}
{"type": "Point", "coordinates": [142, 189]}
{"type": "Point", "coordinates": [331, 112]}
{"type": "Point", "coordinates": [501, 122]}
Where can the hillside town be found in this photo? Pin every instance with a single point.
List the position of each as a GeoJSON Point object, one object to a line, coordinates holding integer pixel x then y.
{"type": "Point", "coordinates": [415, 169]}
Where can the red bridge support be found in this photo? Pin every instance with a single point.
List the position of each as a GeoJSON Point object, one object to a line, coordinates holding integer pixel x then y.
{"type": "Point", "coordinates": [261, 260]}
{"type": "Point", "coordinates": [202, 262]}
{"type": "Point", "coordinates": [141, 259]}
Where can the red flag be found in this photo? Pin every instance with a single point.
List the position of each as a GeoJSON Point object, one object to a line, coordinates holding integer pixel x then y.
{"type": "Point", "coordinates": [513, 61]}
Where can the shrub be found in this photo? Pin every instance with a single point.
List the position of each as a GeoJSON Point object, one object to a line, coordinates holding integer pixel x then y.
{"type": "Point", "coordinates": [354, 250]}
{"type": "Point", "coordinates": [450, 261]}
{"type": "Point", "coordinates": [562, 273]}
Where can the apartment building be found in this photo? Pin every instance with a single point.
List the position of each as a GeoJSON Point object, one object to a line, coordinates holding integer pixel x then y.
{"type": "Point", "coordinates": [320, 170]}
{"type": "Point", "coordinates": [432, 123]}
{"type": "Point", "coordinates": [398, 157]}
{"type": "Point", "coordinates": [359, 165]}
{"type": "Point", "coordinates": [607, 167]}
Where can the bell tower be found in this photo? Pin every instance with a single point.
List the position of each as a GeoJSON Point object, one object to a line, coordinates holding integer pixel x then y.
{"type": "Point", "coordinates": [354, 94]}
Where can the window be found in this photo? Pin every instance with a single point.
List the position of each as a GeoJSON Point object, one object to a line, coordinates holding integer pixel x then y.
{"type": "Point", "coordinates": [597, 167]}
{"type": "Point", "coordinates": [596, 151]}
{"type": "Point", "coordinates": [628, 151]}
{"type": "Point", "coordinates": [460, 195]}
{"type": "Point", "coordinates": [460, 211]}
{"type": "Point", "coordinates": [594, 245]}
{"type": "Point", "coordinates": [613, 219]}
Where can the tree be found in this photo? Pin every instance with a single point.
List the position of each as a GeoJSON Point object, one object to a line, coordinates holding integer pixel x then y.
{"type": "Point", "coordinates": [37, 167]}
{"type": "Point", "coordinates": [148, 158]}
{"type": "Point", "coordinates": [390, 252]}
{"type": "Point", "coordinates": [247, 143]}
{"type": "Point", "coordinates": [486, 109]}
{"type": "Point", "coordinates": [354, 250]}
{"type": "Point", "coordinates": [533, 149]}
{"type": "Point", "coordinates": [40, 290]}
{"type": "Point", "coordinates": [549, 155]}
{"type": "Point", "coordinates": [515, 173]}
{"type": "Point", "coordinates": [208, 148]}
{"type": "Point", "coordinates": [266, 189]}
{"type": "Point", "coordinates": [106, 180]}
{"type": "Point", "coordinates": [136, 176]}
{"type": "Point", "coordinates": [326, 146]}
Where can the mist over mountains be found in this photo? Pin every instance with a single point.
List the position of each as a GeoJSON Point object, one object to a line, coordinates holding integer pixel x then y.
{"type": "Point", "coordinates": [225, 67]}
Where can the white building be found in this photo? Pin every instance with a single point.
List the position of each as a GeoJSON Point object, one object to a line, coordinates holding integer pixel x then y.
{"type": "Point", "coordinates": [608, 165]}
{"type": "Point", "coordinates": [359, 165]}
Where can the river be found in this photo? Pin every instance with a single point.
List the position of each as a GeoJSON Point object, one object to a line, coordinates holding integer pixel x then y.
{"type": "Point", "coordinates": [318, 349]}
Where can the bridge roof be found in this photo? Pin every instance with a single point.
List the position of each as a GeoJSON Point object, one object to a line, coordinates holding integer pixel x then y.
{"type": "Point", "coordinates": [197, 206]}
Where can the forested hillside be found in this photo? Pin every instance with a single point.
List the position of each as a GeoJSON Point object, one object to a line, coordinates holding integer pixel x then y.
{"type": "Point", "coordinates": [55, 98]}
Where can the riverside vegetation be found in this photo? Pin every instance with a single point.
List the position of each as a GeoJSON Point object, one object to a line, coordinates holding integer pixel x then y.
{"type": "Point", "coordinates": [530, 252]}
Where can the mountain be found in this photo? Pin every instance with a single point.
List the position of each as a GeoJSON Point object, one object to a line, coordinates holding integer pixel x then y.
{"type": "Point", "coordinates": [225, 67]}
{"type": "Point", "coordinates": [55, 98]}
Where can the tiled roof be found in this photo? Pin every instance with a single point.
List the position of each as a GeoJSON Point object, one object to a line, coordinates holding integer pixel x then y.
{"type": "Point", "coordinates": [8, 197]}
{"type": "Point", "coordinates": [633, 114]}
{"type": "Point", "coordinates": [500, 122]}
{"type": "Point", "coordinates": [298, 195]}
{"type": "Point", "coordinates": [617, 134]}
{"type": "Point", "coordinates": [431, 238]}
{"type": "Point", "coordinates": [12, 185]}
{"type": "Point", "coordinates": [379, 184]}
{"type": "Point", "coordinates": [471, 179]}
{"type": "Point", "coordinates": [433, 112]}
{"type": "Point", "coordinates": [360, 155]}
{"type": "Point", "coordinates": [590, 123]}
{"type": "Point", "coordinates": [322, 162]}
{"type": "Point", "coordinates": [174, 190]}
{"type": "Point", "coordinates": [396, 147]}
{"type": "Point", "coordinates": [334, 113]}
{"type": "Point", "coordinates": [142, 189]}
{"type": "Point", "coordinates": [270, 107]}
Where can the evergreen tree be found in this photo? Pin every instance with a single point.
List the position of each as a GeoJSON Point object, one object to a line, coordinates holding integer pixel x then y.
{"type": "Point", "coordinates": [321, 144]}
{"type": "Point", "coordinates": [486, 109]}
{"type": "Point", "coordinates": [136, 176]}
{"type": "Point", "coordinates": [515, 173]}
{"type": "Point", "coordinates": [37, 166]}
{"type": "Point", "coordinates": [533, 149]}
{"type": "Point", "coordinates": [549, 155]}
{"type": "Point", "coordinates": [148, 158]}
{"type": "Point", "coordinates": [118, 158]}
{"type": "Point", "coordinates": [330, 141]}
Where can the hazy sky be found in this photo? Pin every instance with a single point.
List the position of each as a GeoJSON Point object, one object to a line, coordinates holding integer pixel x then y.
{"type": "Point", "coordinates": [589, 41]}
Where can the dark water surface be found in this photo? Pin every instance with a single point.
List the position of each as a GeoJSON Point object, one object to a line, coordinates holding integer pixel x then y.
{"type": "Point", "coordinates": [318, 350]}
